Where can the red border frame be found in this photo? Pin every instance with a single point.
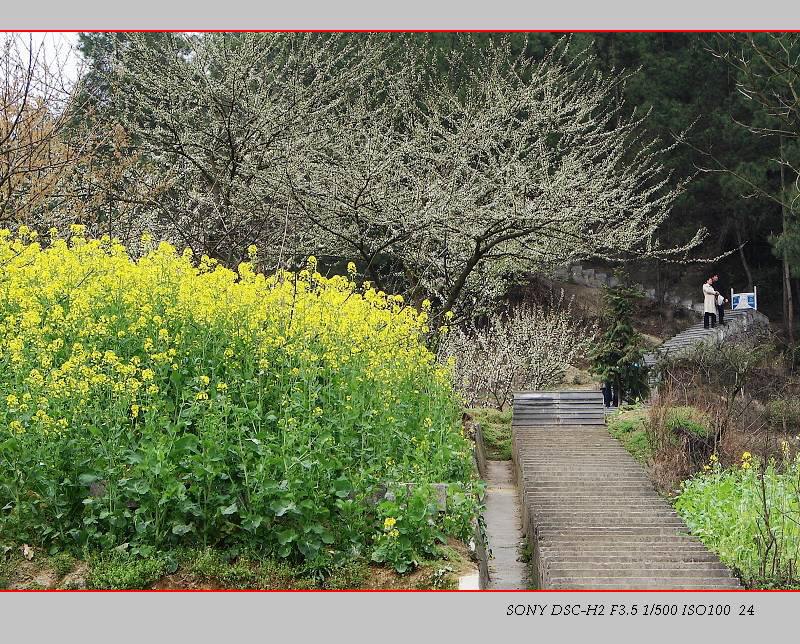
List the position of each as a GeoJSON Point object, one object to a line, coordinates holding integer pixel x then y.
{"type": "Point", "coordinates": [413, 31]}
{"type": "Point", "coordinates": [400, 590]}
{"type": "Point", "coordinates": [432, 31]}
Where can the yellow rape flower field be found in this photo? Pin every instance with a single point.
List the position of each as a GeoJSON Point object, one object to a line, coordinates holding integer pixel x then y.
{"type": "Point", "coordinates": [170, 402]}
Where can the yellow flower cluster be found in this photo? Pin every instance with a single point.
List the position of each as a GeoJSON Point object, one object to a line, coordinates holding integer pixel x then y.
{"type": "Point", "coordinates": [171, 375]}
{"type": "Point", "coordinates": [83, 326]}
{"type": "Point", "coordinates": [713, 463]}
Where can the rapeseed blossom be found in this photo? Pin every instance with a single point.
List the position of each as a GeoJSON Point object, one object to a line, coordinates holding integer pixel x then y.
{"type": "Point", "coordinates": [174, 377]}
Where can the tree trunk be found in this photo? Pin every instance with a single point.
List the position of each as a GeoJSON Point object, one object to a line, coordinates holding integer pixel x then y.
{"type": "Point", "coordinates": [742, 257]}
{"type": "Point", "coordinates": [788, 300]}
{"type": "Point", "coordinates": [456, 289]}
{"type": "Point", "coordinates": [660, 290]}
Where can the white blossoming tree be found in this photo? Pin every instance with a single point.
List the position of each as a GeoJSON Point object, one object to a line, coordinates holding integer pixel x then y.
{"type": "Point", "coordinates": [221, 121]}
{"type": "Point", "coordinates": [523, 165]}
{"type": "Point", "coordinates": [358, 148]}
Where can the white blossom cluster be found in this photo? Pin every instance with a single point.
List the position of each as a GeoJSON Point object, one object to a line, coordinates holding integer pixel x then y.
{"type": "Point", "coordinates": [529, 348]}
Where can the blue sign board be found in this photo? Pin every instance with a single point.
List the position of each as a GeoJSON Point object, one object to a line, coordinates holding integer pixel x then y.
{"type": "Point", "coordinates": [744, 300]}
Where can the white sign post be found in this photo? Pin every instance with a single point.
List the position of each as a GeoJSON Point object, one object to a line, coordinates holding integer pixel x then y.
{"type": "Point", "coordinates": [741, 301]}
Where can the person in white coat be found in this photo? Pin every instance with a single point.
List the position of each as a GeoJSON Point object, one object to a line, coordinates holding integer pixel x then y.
{"type": "Point", "coordinates": [709, 304]}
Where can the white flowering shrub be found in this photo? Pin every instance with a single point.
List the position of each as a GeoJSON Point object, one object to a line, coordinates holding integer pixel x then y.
{"type": "Point", "coordinates": [530, 347]}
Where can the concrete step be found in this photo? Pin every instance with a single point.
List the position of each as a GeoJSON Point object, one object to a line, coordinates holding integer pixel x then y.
{"type": "Point", "coordinates": [652, 559]}
{"type": "Point", "coordinates": [578, 485]}
{"type": "Point", "coordinates": [563, 494]}
{"type": "Point", "coordinates": [618, 521]}
{"type": "Point", "coordinates": [643, 583]}
{"type": "Point", "coordinates": [592, 515]}
{"type": "Point", "coordinates": [619, 503]}
{"type": "Point", "coordinates": [628, 544]}
{"type": "Point", "coordinates": [636, 564]}
{"type": "Point", "coordinates": [665, 534]}
{"type": "Point", "coordinates": [634, 514]}
{"type": "Point", "coordinates": [621, 572]}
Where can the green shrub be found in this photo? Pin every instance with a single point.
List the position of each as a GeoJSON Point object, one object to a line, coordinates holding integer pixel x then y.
{"type": "Point", "coordinates": [725, 509]}
{"type": "Point", "coordinates": [409, 534]}
{"type": "Point", "coordinates": [124, 572]}
{"type": "Point", "coordinates": [689, 420]}
{"type": "Point", "coordinates": [618, 354]}
{"type": "Point", "coordinates": [784, 413]}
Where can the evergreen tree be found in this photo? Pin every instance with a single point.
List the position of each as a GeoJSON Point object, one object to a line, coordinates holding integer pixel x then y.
{"type": "Point", "coordinates": [618, 355]}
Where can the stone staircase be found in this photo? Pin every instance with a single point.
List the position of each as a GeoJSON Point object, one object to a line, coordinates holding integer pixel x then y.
{"type": "Point", "coordinates": [589, 511]}
{"type": "Point", "coordinates": [736, 322]}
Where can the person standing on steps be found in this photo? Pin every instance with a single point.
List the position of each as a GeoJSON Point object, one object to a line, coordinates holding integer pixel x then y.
{"type": "Point", "coordinates": [709, 303]}
{"type": "Point", "coordinates": [610, 395]}
{"type": "Point", "coordinates": [720, 301]}
{"type": "Point", "coordinates": [721, 310]}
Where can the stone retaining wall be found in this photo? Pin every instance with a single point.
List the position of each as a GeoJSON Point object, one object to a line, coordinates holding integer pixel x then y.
{"type": "Point", "coordinates": [594, 278]}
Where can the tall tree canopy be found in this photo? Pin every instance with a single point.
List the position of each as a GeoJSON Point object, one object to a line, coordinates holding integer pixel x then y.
{"type": "Point", "coordinates": [360, 148]}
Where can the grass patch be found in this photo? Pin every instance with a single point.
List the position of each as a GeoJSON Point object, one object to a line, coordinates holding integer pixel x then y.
{"type": "Point", "coordinates": [124, 572]}
{"type": "Point", "coordinates": [196, 568]}
{"type": "Point", "coordinates": [62, 563]}
{"type": "Point", "coordinates": [496, 428]}
{"type": "Point", "coordinates": [689, 420]}
{"type": "Point", "coordinates": [629, 427]}
{"type": "Point", "coordinates": [724, 507]}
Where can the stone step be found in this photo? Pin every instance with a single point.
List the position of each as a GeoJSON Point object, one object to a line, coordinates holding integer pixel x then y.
{"type": "Point", "coordinates": [557, 552]}
{"type": "Point", "coordinates": [666, 534]}
{"type": "Point", "coordinates": [637, 564]}
{"type": "Point", "coordinates": [616, 541]}
{"type": "Point", "coordinates": [603, 480]}
{"type": "Point", "coordinates": [592, 514]}
{"type": "Point", "coordinates": [620, 572]}
{"type": "Point", "coordinates": [562, 491]}
{"type": "Point", "coordinates": [585, 456]}
{"type": "Point", "coordinates": [639, 517]}
{"type": "Point", "coordinates": [545, 528]}
{"type": "Point", "coordinates": [603, 513]}
{"type": "Point", "coordinates": [550, 522]}
{"type": "Point", "coordinates": [618, 503]}
{"type": "Point", "coordinates": [578, 485]}
{"type": "Point", "coordinates": [532, 472]}
{"type": "Point", "coordinates": [654, 558]}
{"type": "Point", "coordinates": [643, 583]}
{"type": "Point", "coordinates": [617, 520]}
{"type": "Point", "coordinates": [581, 468]}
